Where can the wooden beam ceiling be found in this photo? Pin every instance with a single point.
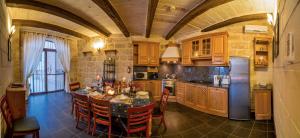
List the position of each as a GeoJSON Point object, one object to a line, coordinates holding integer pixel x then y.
{"type": "Point", "coordinates": [106, 6]}
{"type": "Point", "coordinates": [39, 6]}
{"type": "Point", "coordinates": [38, 24]}
{"type": "Point", "coordinates": [234, 20]}
{"type": "Point", "coordinates": [196, 11]}
{"type": "Point", "coordinates": [152, 5]}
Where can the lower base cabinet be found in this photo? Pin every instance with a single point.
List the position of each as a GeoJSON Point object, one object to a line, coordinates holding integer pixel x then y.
{"type": "Point", "coordinates": [153, 86]}
{"type": "Point", "coordinates": [263, 109]}
{"type": "Point", "coordinates": [218, 101]}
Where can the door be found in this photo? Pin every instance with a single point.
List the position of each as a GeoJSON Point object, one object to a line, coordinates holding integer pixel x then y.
{"type": "Point", "coordinates": [201, 101]}
{"type": "Point", "coordinates": [217, 101]}
{"type": "Point", "coordinates": [49, 75]}
{"type": "Point", "coordinates": [186, 53]}
{"type": "Point", "coordinates": [218, 50]}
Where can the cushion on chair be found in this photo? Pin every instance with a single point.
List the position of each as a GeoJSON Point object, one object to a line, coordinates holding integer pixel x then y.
{"type": "Point", "coordinates": [26, 124]}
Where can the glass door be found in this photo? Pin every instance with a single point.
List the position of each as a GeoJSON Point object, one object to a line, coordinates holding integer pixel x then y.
{"type": "Point", "coordinates": [49, 75]}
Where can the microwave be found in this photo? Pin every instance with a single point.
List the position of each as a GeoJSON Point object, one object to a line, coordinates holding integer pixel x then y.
{"type": "Point", "coordinates": [140, 75]}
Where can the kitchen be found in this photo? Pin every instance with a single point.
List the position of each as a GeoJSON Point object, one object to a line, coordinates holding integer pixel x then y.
{"type": "Point", "coordinates": [225, 68]}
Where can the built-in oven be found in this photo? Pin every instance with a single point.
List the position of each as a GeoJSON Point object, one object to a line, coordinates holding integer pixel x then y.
{"type": "Point", "coordinates": [140, 75]}
{"type": "Point", "coordinates": [170, 85]}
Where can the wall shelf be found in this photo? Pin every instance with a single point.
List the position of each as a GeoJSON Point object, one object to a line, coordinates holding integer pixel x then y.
{"type": "Point", "coordinates": [261, 52]}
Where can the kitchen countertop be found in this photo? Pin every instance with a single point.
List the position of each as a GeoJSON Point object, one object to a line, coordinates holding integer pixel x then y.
{"type": "Point", "coordinates": [209, 84]}
{"type": "Point", "coordinates": [258, 87]}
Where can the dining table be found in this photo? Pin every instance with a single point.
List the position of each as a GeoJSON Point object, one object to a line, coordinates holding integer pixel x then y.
{"type": "Point", "coordinates": [122, 101]}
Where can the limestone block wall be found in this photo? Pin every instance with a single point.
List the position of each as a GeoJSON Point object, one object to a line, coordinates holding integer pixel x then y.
{"type": "Point", "coordinates": [91, 64]}
{"type": "Point", "coordinates": [287, 76]}
{"type": "Point", "coordinates": [6, 68]}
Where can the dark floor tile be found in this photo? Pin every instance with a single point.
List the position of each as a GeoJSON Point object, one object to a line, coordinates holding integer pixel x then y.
{"type": "Point", "coordinates": [260, 126]}
{"type": "Point", "coordinates": [228, 128]}
{"type": "Point", "coordinates": [217, 134]}
{"type": "Point", "coordinates": [271, 127]}
{"type": "Point", "coordinates": [191, 134]}
{"type": "Point", "coordinates": [204, 128]}
{"type": "Point", "coordinates": [247, 124]}
{"type": "Point", "coordinates": [258, 134]}
{"type": "Point", "coordinates": [172, 136]}
{"type": "Point", "coordinates": [271, 135]}
{"type": "Point", "coordinates": [242, 132]}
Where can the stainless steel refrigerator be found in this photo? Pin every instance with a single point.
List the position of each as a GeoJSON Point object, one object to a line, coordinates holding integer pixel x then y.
{"type": "Point", "coordinates": [239, 90]}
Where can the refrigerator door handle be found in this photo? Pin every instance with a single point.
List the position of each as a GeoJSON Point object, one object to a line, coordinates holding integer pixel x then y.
{"type": "Point", "coordinates": [229, 65]}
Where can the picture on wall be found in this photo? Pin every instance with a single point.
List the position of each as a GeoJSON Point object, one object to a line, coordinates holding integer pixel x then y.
{"type": "Point", "coordinates": [276, 39]}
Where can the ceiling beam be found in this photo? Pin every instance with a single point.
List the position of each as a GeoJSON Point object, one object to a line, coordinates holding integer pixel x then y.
{"type": "Point", "coordinates": [234, 20]}
{"type": "Point", "coordinates": [106, 6]}
{"type": "Point", "coordinates": [38, 24]}
{"type": "Point", "coordinates": [42, 7]}
{"type": "Point", "coordinates": [196, 11]}
{"type": "Point", "coordinates": [152, 5]}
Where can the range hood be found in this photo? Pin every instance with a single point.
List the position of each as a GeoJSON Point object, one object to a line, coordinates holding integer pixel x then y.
{"type": "Point", "coordinates": [171, 54]}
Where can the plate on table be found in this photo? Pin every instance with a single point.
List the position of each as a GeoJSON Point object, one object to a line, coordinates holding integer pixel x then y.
{"type": "Point", "coordinates": [142, 93]}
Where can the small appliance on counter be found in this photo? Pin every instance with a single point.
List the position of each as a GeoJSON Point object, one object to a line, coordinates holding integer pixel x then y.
{"type": "Point", "coordinates": [152, 75]}
{"type": "Point", "coordinates": [140, 75]}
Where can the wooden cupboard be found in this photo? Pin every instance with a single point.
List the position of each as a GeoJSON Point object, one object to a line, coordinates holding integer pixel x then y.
{"type": "Point", "coordinates": [209, 47]}
{"type": "Point", "coordinates": [16, 101]}
{"type": "Point", "coordinates": [263, 109]}
{"type": "Point", "coordinates": [147, 53]}
{"type": "Point", "coordinates": [218, 101]}
{"type": "Point", "coordinates": [219, 52]}
{"type": "Point", "coordinates": [153, 86]}
{"type": "Point", "coordinates": [180, 92]}
{"type": "Point", "coordinates": [186, 54]}
{"type": "Point", "coordinates": [201, 97]}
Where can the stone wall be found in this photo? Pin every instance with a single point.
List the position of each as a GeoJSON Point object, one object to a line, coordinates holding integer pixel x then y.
{"type": "Point", "coordinates": [6, 67]}
{"type": "Point", "coordinates": [287, 76]}
{"type": "Point", "coordinates": [91, 64]}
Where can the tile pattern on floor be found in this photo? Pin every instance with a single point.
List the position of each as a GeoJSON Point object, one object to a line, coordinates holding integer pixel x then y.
{"type": "Point", "coordinates": [53, 112]}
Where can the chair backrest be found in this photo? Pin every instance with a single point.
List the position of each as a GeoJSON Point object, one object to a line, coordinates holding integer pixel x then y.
{"type": "Point", "coordinates": [139, 116]}
{"type": "Point", "coordinates": [101, 110]}
{"type": "Point", "coordinates": [74, 86]}
{"type": "Point", "coordinates": [6, 112]}
{"type": "Point", "coordinates": [82, 103]}
{"type": "Point", "coordinates": [164, 100]}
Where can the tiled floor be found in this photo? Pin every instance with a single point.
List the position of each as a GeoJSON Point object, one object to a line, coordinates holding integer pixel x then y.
{"type": "Point", "coordinates": [53, 113]}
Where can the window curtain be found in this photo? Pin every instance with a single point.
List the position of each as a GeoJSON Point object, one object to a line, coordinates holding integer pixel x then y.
{"type": "Point", "coordinates": [33, 44]}
{"type": "Point", "coordinates": [63, 53]}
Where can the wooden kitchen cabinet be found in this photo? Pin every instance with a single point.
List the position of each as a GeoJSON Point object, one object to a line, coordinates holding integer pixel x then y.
{"type": "Point", "coordinates": [180, 92]}
{"type": "Point", "coordinates": [148, 53]}
{"type": "Point", "coordinates": [201, 97]}
{"type": "Point", "coordinates": [154, 86]}
{"type": "Point", "coordinates": [263, 104]}
{"type": "Point", "coordinates": [186, 53]}
{"type": "Point", "coordinates": [188, 97]}
{"type": "Point", "coordinates": [219, 52]}
{"type": "Point", "coordinates": [142, 83]}
{"type": "Point", "coordinates": [217, 101]}
{"type": "Point", "coordinates": [201, 48]}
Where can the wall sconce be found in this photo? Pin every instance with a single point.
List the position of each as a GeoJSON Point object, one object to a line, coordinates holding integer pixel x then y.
{"type": "Point", "coordinates": [12, 31]}
{"type": "Point", "coordinates": [270, 18]}
{"type": "Point", "coordinates": [99, 44]}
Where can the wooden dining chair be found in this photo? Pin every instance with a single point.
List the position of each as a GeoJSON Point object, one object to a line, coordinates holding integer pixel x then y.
{"type": "Point", "coordinates": [138, 119]}
{"type": "Point", "coordinates": [82, 109]}
{"type": "Point", "coordinates": [73, 87]}
{"type": "Point", "coordinates": [159, 112]}
{"type": "Point", "coordinates": [101, 114]}
{"type": "Point", "coordinates": [19, 127]}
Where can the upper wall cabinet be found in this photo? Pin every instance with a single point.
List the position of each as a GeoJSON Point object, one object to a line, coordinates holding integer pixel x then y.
{"type": "Point", "coordinates": [146, 54]}
{"type": "Point", "coordinates": [220, 49]}
{"type": "Point", "coordinates": [208, 47]}
{"type": "Point", "coordinates": [186, 53]}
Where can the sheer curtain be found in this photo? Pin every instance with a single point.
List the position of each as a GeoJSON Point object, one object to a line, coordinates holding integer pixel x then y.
{"type": "Point", "coordinates": [63, 53]}
{"type": "Point", "coordinates": [33, 44]}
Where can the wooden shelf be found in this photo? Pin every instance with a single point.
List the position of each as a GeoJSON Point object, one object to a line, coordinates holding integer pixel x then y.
{"type": "Point", "coordinates": [261, 52]}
